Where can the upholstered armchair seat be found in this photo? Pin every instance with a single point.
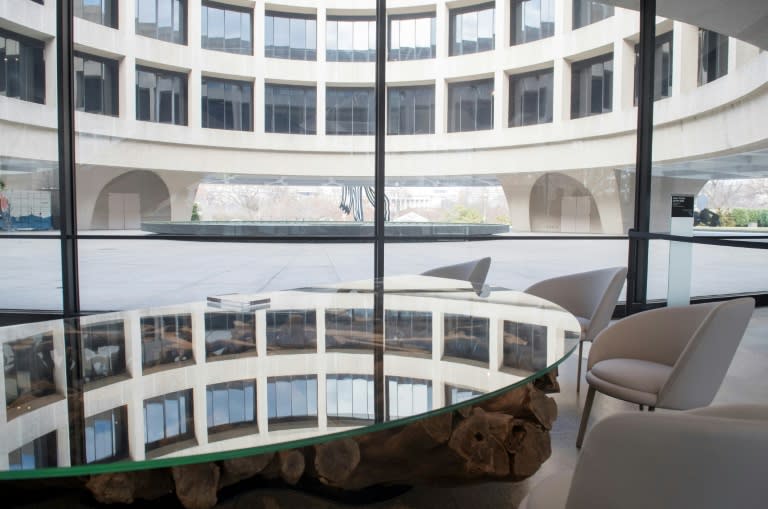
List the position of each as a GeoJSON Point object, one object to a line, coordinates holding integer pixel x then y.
{"type": "Point", "coordinates": [630, 379]}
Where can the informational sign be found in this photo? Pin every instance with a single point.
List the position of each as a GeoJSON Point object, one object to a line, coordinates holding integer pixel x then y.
{"type": "Point", "coordinates": [679, 276]}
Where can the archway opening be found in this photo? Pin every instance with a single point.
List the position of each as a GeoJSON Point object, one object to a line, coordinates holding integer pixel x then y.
{"type": "Point", "coordinates": [560, 203]}
{"type": "Point", "coordinates": [131, 198]}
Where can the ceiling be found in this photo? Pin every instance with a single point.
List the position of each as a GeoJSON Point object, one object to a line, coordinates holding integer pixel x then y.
{"type": "Point", "coordinates": [746, 20]}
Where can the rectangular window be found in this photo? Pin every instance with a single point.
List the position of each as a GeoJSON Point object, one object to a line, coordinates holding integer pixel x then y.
{"type": "Point", "coordinates": [161, 96]}
{"type": "Point", "coordinates": [292, 36]}
{"type": "Point", "coordinates": [530, 98]}
{"type": "Point", "coordinates": [39, 453]}
{"type": "Point", "coordinates": [290, 109]}
{"type": "Point", "coordinates": [106, 435]}
{"type": "Point", "coordinates": [662, 67]}
{"type": "Point", "coordinates": [472, 29]}
{"type": "Point", "coordinates": [162, 19]}
{"type": "Point", "coordinates": [165, 340]}
{"type": "Point", "coordinates": [348, 328]}
{"type": "Point", "coordinates": [231, 405]}
{"type": "Point", "coordinates": [532, 20]}
{"type": "Point", "coordinates": [350, 39]}
{"type": "Point", "coordinates": [226, 28]}
{"type": "Point", "coordinates": [227, 104]}
{"type": "Point", "coordinates": [22, 67]}
{"type": "Point", "coordinates": [592, 86]}
{"type": "Point", "coordinates": [350, 111]}
{"type": "Point", "coordinates": [103, 347]}
{"type": "Point", "coordinates": [411, 110]}
{"type": "Point", "coordinates": [412, 37]}
{"type": "Point", "coordinates": [103, 12]}
{"type": "Point", "coordinates": [228, 334]}
{"type": "Point", "coordinates": [96, 84]}
{"type": "Point", "coordinates": [466, 337]}
{"type": "Point", "coordinates": [409, 331]}
{"type": "Point", "coordinates": [470, 106]}
{"type": "Point", "coordinates": [168, 419]}
{"type": "Point", "coordinates": [586, 12]}
{"type": "Point", "coordinates": [292, 398]}
{"type": "Point", "coordinates": [713, 56]}
{"type": "Point", "coordinates": [291, 329]}
{"type": "Point", "coordinates": [28, 365]}
{"type": "Point", "coordinates": [407, 396]}
{"type": "Point", "coordinates": [525, 346]}
{"type": "Point", "coordinates": [455, 395]}
{"type": "Point", "coordinates": [349, 397]}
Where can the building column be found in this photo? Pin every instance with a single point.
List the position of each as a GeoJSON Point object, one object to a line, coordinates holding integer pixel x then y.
{"type": "Point", "coordinates": [685, 58]}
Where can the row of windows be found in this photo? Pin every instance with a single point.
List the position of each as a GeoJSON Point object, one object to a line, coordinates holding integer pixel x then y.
{"type": "Point", "coordinates": [348, 39]}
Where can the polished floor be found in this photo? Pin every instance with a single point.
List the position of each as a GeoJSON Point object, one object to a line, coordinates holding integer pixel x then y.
{"type": "Point", "coordinates": [745, 383]}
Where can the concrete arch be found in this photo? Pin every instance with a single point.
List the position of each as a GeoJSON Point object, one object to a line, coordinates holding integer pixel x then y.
{"type": "Point", "coordinates": [128, 199]}
{"type": "Point", "coordinates": [560, 203]}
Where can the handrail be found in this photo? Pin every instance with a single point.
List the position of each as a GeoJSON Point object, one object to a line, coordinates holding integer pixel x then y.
{"type": "Point", "coordinates": [713, 240]}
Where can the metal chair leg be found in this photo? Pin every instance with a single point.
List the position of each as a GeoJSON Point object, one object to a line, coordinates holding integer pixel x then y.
{"type": "Point", "coordinates": [585, 416]}
{"type": "Point", "coordinates": [642, 407]}
{"type": "Point", "coordinates": [651, 408]}
{"type": "Point", "coordinates": [578, 369]}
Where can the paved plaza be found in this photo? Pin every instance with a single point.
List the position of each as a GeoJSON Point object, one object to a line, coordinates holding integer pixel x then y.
{"type": "Point", "coordinates": [136, 273]}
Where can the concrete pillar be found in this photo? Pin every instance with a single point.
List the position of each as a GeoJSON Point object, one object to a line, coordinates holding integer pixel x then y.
{"type": "Point", "coordinates": [517, 189]}
{"type": "Point", "coordinates": [685, 53]}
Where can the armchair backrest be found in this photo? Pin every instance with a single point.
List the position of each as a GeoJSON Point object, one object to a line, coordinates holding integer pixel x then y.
{"type": "Point", "coordinates": [701, 366]}
{"type": "Point", "coordinates": [591, 295]}
{"type": "Point", "coordinates": [673, 460]}
{"type": "Point", "coordinates": [474, 271]}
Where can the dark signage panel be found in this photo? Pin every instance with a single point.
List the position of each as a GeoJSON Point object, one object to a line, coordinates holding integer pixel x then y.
{"type": "Point", "coordinates": [682, 205]}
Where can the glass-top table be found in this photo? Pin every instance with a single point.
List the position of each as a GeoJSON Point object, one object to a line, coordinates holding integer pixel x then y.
{"type": "Point", "coordinates": [242, 375]}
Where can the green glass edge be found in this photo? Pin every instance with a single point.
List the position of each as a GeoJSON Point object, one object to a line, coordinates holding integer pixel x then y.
{"type": "Point", "coordinates": [129, 466]}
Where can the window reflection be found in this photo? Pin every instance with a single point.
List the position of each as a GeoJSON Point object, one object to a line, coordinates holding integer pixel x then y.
{"type": "Point", "coordinates": [409, 331]}
{"type": "Point", "coordinates": [530, 98]}
{"type": "Point", "coordinates": [166, 340]}
{"type": "Point", "coordinates": [292, 399]}
{"type": "Point", "coordinates": [466, 337]}
{"type": "Point", "coordinates": [227, 104]}
{"type": "Point", "coordinates": [472, 29]}
{"type": "Point", "coordinates": [39, 453]}
{"type": "Point", "coordinates": [290, 109]}
{"type": "Point", "coordinates": [412, 36]}
{"type": "Point", "coordinates": [350, 39]}
{"type": "Point", "coordinates": [350, 111]}
{"type": "Point", "coordinates": [22, 68]}
{"type": "Point", "coordinates": [470, 106]}
{"type": "Point", "coordinates": [348, 328]}
{"type": "Point", "coordinates": [455, 395]}
{"type": "Point", "coordinates": [106, 435]}
{"type": "Point", "coordinates": [349, 396]}
{"type": "Point", "coordinates": [662, 67]}
{"type": "Point", "coordinates": [408, 396]}
{"type": "Point", "coordinates": [592, 86]}
{"type": "Point", "coordinates": [290, 35]}
{"type": "Point", "coordinates": [162, 19]}
{"type": "Point", "coordinates": [168, 419]}
{"type": "Point", "coordinates": [411, 110]}
{"type": "Point", "coordinates": [525, 346]}
{"type": "Point", "coordinates": [229, 334]}
{"type": "Point", "coordinates": [713, 56]}
{"type": "Point", "coordinates": [231, 405]}
{"type": "Point", "coordinates": [103, 350]}
{"type": "Point", "coordinates": [532, 20]}
{"type": "Point", "coordinates": [226, 28]}
{"type": "Point", "coordinates": [586, 12]}
{"type": "Point", "coordinates": [161, 96]}
{"type": "Point", "coordinates": [96, 84]}
{"type": "Point", "coordinates": [103, 12]}
{"type": "Point", "coordinates": [28, 365]}
{"type": "Point", "coordinates": [291, 329]}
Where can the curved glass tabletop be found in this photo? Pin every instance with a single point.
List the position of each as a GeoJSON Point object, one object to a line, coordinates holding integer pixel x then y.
{"type": "Point", "coordinates": [244, 374]}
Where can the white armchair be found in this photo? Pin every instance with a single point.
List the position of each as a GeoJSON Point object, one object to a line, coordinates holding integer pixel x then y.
{"type": "Point", "coordinates": [474, 271]}
{"type": "Point", "coordinates": [672, 358]}
{"type": "Point", "coordinates": [708, 458]}
{"type": "Point", "coordinates": [590, 296]}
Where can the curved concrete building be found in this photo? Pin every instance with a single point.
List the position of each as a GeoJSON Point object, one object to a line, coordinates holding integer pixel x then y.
{"type": "Point", "coordinates": [535, 95]}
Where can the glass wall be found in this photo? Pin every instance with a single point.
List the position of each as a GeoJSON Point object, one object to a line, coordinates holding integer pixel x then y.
{"type": "Point", "coordinates": [350, 111]}
{"type": "Point", "coordinates": [290, 35]}
{"type": "Point", "coordinates": [411, 110]}
{"type": "Point", "coordinates": [350, 39]}
{"type": "Point", "coordinates": [472, 29]}
{"type": "Point", "coordinates": [586, 12]}
{"type": "Point", "coordinates": [412, 37]}
{"type": "Point", "coordinates": [161, 96]}
{"type": "Point", "coordinates": [22, 68]}
{"type": "Point", "coordinates": [470, 106]}
{"type": "Point", "coordinates": [530, 98]}
{"type": "Point", "coordinates": [96, 85]}
{"type": "Point", "coordinates": [713, 56]}
{"type": "Point", "coordinates": [226, 28]}
{"type": "Point", "coordinates": [592, 86]}
{"type": "Point", "coordinates": [532, 20]}
{"type": "Point", "coordinates": [662, 67]}
{"type": "Point", "coordinates": [103, 12]}
{"type": "Point", "coordinates": [227, 104]}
